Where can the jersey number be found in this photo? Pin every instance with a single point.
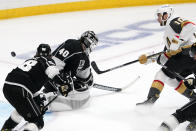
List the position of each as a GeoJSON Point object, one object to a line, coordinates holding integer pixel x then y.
{"type": "Point", "coordinates": [27, 65]}
{"type": "Point", "coordinates": [64, 52]}
{"type": "Point", "coordinates": [179, 21]}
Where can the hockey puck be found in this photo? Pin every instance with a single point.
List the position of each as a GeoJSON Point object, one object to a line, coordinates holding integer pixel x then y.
{"type": "Point", "coordinates": [13, 54]}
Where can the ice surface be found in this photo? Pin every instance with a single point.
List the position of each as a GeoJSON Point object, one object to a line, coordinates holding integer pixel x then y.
{"type": "Point", "coordinates": [125, 33]}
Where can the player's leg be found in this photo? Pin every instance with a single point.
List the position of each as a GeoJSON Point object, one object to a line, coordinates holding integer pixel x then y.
{"type": "Point", "coordinates": [186, 113]}
{"type": "Point", "coordinates": [178, 64]}
{"type": "Point", "coordinates": [12, 121]}
{"type": "Point", "coordinates": [24, 104]}
{"type": "Point", "coordinates": [156, 88]}
{"type": "Point", "coordinates": [14, 118]}
{"type": "Point", "coordinates": [184, 89]}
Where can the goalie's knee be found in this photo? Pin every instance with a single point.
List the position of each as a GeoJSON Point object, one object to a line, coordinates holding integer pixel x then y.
{"type": "Point", "coordinates": [31, 127]}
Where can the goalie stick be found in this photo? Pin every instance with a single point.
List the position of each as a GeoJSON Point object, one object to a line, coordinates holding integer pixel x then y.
{"type": "Point", "coordinates": [98, 71]}
{"type": "Point", "coordinates": [115, 89]}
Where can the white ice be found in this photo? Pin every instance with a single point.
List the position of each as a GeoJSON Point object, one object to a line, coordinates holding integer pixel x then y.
{"type": "Point", "coordinates": [107, 111]}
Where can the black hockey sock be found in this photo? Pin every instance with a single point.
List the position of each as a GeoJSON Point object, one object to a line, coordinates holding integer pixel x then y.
{"type": "Point", "coordinates": [9, 124]}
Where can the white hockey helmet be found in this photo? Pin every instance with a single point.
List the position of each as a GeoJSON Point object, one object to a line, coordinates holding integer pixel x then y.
{"type": "Point", "coordinates": [163, 10]}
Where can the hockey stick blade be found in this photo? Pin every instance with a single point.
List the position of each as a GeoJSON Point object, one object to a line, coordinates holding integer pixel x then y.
{"type": "Point", "coordinates": [107, 88]}
{"type": "Point", "coordinates": [95, 67]}
{"type": "Point", "coordinates": [115, 89]}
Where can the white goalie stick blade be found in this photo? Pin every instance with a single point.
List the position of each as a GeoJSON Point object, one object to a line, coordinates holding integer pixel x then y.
{"type": "Point", "coordinates": [115, 89]}
{"type": "Point", "coordinates": [107, 88]}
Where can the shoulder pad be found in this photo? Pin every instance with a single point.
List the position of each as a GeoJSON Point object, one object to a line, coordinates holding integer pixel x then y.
{"type": "Point", "coordinates": [175, 24]}
{"type": "Point", "coordinates": [178, 23]}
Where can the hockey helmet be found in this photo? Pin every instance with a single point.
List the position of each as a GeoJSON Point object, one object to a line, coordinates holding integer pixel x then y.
{"type": "Point", "coordinates": [192, 51]}
{"type": "Point", "coordinates": [163, 10]}
{"type": "Point", "coordinates": [90, 40]}
{"type": "Point", "coordinates": [43, 50]}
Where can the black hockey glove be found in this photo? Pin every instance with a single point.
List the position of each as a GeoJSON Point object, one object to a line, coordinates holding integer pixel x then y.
{"type": "Point", "coordinates": [84, 83]}
{"type": "Point", "coordinates": [190, 83]}
{"type": "Point", "coordinates": [67, 86]}
{"type": "Point", "coordinates": [40, 99]}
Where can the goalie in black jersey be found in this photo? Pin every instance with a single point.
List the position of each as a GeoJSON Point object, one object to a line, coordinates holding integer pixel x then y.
{"type": "Point", "coordinates": [23, 82]}
{"type": "Point", "coordinates": [72, 57]}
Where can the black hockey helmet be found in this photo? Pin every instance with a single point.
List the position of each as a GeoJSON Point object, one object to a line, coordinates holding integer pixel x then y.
{"type": "Point", "coordinates": [89, 39]}
{"type": "Point", "coordinates": [192, 51]}
{"type": "Point", "coordinates": [43, 50]}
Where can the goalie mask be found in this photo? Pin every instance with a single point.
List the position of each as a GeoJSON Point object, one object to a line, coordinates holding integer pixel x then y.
{"type": "Point", "coordinates": [43, 50]}
{"type": "Point", "coordinates": [90, 41]}
{"type": "Point", "coordinates": [164, 13]}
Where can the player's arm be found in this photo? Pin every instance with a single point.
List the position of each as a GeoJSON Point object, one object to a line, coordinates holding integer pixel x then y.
{"type": "Point", "coordinates": [83, 74]}
{"type": "Point", "coordinates": [53, 73]}
{"type": "Point", "coordinates": [143, 59]}
{"type": "Point", "coordinates": [188, 33]}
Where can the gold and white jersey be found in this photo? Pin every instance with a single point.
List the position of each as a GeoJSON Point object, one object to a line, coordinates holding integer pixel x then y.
{"type": "Point", "coordinates": [179, 32]}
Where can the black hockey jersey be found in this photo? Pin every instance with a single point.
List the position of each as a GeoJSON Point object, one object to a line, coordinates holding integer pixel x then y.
{"type": "Point", "coordinates": [70, 57]}
{"type": "Point", "coordinates": [32, 74]}
{"type": "Point", "coordinates": [181, 63]}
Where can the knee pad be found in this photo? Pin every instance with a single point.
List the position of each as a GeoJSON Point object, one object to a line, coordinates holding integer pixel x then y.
{"type": "Point", "coordinates": [16, 117]}
{"type": "Point", "coordinates": [31, 127]}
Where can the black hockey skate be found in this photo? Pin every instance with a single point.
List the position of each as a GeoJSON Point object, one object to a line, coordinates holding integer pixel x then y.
{"type": "Point", "coordinates": [149, 101]}
{"type": "Point", "coordinates": [191, 126]}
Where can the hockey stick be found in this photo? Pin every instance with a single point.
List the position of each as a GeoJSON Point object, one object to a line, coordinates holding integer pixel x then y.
{"type": "Point", "coordinates": [98, 71]}
{"type": "Point", "coordinates": [115, 89]}
{"type": "Point", "coordinates": [107, 88]}
{"type": "Point", "coordinates": [46, 106]}
{"type": "Point", "coordinates": [174, 73]}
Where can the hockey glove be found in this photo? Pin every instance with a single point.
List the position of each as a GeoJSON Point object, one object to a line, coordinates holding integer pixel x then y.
{"type": "Point", "coordinates": [190, 83]}
{"type": "Point", "coordinates": [162, 59]}
{"type": "Point", "coordinates": [143, 59]}
{"type": "Point", "coordinates": [65, 89]}
{"type": "Point", "coordinates": [67, 86]}
{"type": "Point", "coordinates": [41, 100]}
